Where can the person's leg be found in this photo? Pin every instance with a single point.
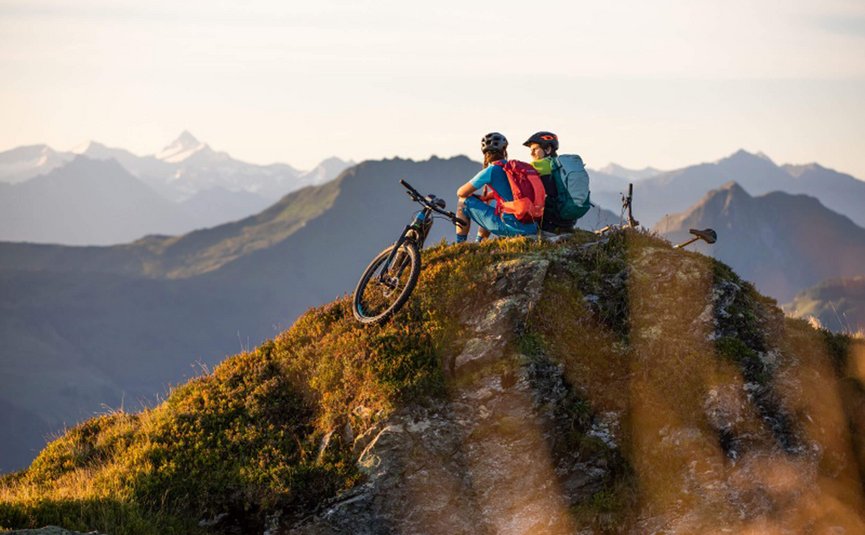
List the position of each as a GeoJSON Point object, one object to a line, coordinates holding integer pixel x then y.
{"type": "Point", "coordinates": [485, 216]}
{"type": "Point", "coordinates": [483, 234]}
{"type": "Point", "coordinates": [462, 230]}
{"type": "Point", "coordinates": [510, 226]}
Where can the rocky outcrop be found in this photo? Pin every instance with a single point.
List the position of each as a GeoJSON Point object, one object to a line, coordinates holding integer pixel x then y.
{"type": "Point", "coordinates": [480, 461]}
{"type": "Point", "coordinates": [713, 425]}
{"type": "Point", "coordinates": [582, 386]}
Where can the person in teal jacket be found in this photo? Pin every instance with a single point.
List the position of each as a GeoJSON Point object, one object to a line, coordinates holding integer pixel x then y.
{"type": "Point", "coordinates": [544, 148]}
{"type": "Point", "coordinates": [479, 208]}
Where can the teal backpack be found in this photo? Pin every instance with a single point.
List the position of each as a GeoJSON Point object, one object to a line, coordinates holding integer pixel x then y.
{"type": "Point", "coordinates": [572, 183]}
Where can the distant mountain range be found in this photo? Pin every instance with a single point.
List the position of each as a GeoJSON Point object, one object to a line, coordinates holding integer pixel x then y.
{"type": "Point", "coordinates": [112, 325]}
{"type": "Point", "coordinates": [630, 174]}
{"type": "Point", "coordinates": [58, 198]}
{"type": "Point", "coordinates": [209, 187]}
{"type": "Point", "coordinates": [84, 202]}
{"type": "Point", "coordinates": [672, 192]}
{"type": "Point", "coordinates": [783, 243]}
{"type": "Point", "coordinates": [838, 304]}
{"type": "Point", "coordinates": [185, 167]}
{"type": "Point", "coordinates": [22, 163]}
{"type": "Point", "coordinates": [87, 326]}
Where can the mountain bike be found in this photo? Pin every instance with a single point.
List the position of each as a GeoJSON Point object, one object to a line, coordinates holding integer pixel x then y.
{"type": "Point", "coordinates": [707, 235]}
{"type": "Point", "coordinates": [627, 209]}
{"type": "Point", "coordinates": [388, 281]}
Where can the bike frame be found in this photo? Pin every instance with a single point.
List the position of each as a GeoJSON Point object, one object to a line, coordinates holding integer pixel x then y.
{"type": "Point", "coordinates": [421, 224]}
{"type": "Point", "coordinates": [626, 210]}
{"type": "Point", "coordinates": [387, 269]}
{"type": "Point", "coordinates": [632, 223]}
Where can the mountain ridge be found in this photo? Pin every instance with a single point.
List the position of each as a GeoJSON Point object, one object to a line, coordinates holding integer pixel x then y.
{"type": "Point", "coordinates": [616, 386]}
{"type": "Point", "coordinates": [93, 200]}
{"type": "Point", "coordinates": [246, 277]}
{"type": "Point", "coordinates": [671, 192]}
{"type": "Point", "coordinates": [202, 288]}
{"type": "Point", "coordinates": [205, 189]}
{"type": "Point", "coordinates": [183, 157]}
{"type": "Point", "coordinates": [665, 193]}
{"type": "Point", "coordinates": [615, 169]}
{"type": "Point", "coordinates": [252, 282]}
{"type": "Point", "coordinates": [837, 304]}
{"type": "Point", "coordinates": [783, 242]}
{"type": "Point", "coordinates": [181, 148]}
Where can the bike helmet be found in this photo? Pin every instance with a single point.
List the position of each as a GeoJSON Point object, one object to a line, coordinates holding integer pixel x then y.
{"type": "Point", "coordinates": [545, 140]}
{"type": "Point", "coordinates": [494, 141]}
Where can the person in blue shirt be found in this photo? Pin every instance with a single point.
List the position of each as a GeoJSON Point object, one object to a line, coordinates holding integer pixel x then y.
{"type": "Point", "coordinates": [478, 208]}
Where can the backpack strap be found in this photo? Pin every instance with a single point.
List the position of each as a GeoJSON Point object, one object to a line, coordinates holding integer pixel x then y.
{"type": "Point", "coordinates": [500, 203]}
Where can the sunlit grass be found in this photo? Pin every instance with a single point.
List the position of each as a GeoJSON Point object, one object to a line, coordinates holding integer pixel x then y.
{"type": "Point", "coordinates": [715, 394]}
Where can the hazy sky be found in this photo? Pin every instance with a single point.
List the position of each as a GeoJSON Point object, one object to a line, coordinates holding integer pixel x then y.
{"type": "Point", "coordinates": [663, 83]}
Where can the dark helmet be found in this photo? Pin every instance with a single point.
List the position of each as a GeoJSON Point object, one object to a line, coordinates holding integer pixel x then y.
{"type": "Point", "coordinates": [544, 139]}
{"type": "Point", "coordinates": [494, 141]}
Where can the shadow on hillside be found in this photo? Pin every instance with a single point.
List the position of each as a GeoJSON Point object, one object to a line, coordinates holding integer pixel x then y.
{"type": "Point", "coordinates": [544, 388]}
{"type": "Point", "coordinates": [105, 515]}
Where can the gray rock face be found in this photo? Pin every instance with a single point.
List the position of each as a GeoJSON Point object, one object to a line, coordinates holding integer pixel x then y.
{"type": "Point", "coordinates": [710, 435]}
{"type": "Point", "coordinates": [519, 284]}
{"type": "Point", "coordinates": [481, 461]}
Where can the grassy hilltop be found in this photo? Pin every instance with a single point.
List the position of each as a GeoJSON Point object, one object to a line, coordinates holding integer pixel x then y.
{"type": "Point", "coordinates": [719, 408]}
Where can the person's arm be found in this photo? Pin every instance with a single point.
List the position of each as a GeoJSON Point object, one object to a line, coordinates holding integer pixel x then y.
{"type": "Point", "coordinates": [478, 181]}
{"type": "Point", "coordinates": [466, 190]}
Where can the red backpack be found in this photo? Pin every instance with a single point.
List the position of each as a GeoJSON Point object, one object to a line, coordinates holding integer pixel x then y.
{"type": "Point", "coordinates": [528, 190]}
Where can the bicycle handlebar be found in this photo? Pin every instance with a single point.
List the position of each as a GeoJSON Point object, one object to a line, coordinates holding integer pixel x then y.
{"type": "Point", "coordinates": [407, 186]}
{"type": "Point", "coordinates": [417, 197]}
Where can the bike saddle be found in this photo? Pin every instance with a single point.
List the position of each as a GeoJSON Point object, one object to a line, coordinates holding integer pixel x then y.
{"type": "Point", "coordinates": [708, 235]}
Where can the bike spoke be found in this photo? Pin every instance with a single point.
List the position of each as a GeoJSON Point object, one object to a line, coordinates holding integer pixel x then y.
{"type": "Point", "coordinates": [384, 288]}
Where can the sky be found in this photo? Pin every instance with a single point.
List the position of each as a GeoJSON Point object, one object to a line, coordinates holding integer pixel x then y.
{"type": "Point", "coordinates": [666, 83]}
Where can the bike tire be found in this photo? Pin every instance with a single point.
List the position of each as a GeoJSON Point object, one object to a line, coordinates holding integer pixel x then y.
{"type": "Point", "coordinates": [370, 307]}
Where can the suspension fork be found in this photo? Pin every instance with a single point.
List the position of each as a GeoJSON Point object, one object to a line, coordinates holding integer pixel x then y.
{"type": "Point", "coordinates": [401, 240]}
{"type": "Point", "coordinates": [418, 226]}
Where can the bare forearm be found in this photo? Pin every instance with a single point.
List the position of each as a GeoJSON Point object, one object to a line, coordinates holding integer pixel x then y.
{"type": "Point", "coordinates": [466, 190]}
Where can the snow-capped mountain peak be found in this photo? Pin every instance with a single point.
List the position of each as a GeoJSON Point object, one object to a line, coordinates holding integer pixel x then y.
{"type": "Point", "coordinates": [92, 149]}
{"type": "Point", "coordinates": [631, 174]}
{"type": "Point", "coordinates": [763, 155]}
{"type": "Point", "coordinates": [22, 163]}
{"type": "Point", "coordinates": [81, 148]}
{"type": "Point", "coordinates": [182, 148]}
{"type": "Point", "coordinates": [45, 156]}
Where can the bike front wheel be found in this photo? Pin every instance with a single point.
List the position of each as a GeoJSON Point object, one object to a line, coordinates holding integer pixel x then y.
{"type": "Point", "coordinates": [379, 293]}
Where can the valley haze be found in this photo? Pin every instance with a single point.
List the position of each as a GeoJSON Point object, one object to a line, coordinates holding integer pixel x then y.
{"type": "Point", "coordinates": [88, 327]}
{"type": "Point", "coordinates": [190, 190]}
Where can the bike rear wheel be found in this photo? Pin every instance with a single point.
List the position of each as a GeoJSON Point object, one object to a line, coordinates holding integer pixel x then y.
{"type": "Point", "coordinates": [380, 294]}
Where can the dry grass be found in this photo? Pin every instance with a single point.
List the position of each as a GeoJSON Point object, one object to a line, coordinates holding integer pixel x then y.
{"type": "Point", "coordinates": [666, 340]}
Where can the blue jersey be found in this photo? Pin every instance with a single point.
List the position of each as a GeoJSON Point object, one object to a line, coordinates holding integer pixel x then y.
{"type": "Point", "coordinates": [496, 178]}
